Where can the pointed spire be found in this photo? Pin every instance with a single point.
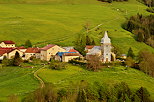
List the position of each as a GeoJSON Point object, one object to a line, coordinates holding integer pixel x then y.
{"type": "Point", "coordinates": [105, 39]}
{"type": "Point", "coordinates": [106, 35]}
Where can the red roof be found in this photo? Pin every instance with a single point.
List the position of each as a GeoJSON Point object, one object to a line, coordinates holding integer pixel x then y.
{"type": "Point", "coordinates": [47, 47]}
{"type": "Point", "coordinates": [89, 46]}
{"type": "Point", "coordinates": [5, 50]}
{"type": "Point", "coordinates": [72, 54]}
{"type": "Point", "coordinates": [22, 47]}
{"type": "Point", "coordinates": [32, 50]}
{"type": "Point", "coordinates": [8, 42]}
{"type": "Point", "coordinates": [73, 50]}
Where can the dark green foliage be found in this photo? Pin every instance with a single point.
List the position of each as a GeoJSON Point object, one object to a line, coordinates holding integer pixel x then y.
{"type": "Point", "coordinates": [135, 98]}
{"type": "Point", "coordinates": [146, 62]}
{"type": "Point", "coordinates": [82, 96]}
{"type": "Point", "coordinates": [130, 53]}
{"type": "Point", "coordinates": [46, 94]}
{"type": "Point", "coordinates": [56, 65]}
{"type": "Point", "coordinates": [86, 92]}
{"type": "Point", "coordinates": [140, 37]}
{"type": "Point", "coordinates": [122, 91]}
{"type": "Point", "coordinates": [28, 44]}
{"type": "Point", "coordinates": [110, 1]}
{"type": "Point", "coordinates": [17, 59]}
{"type": "Point", "coordinates": [149, 3]}
{"type": "Point", "coordinates": [61, 94]}
{"type": "Point", "coordinates": [82, 40]}
{"type": "Point", "coordinates": [150, 9]}
{"type": "Point", "coordinates": [142, 27]}
{"type": "Point", "coordinates": [143, 94]}
{"type": "Point", "coordinates": [80, 43]}
{"type": "Point", "coordinates": [6, 62]}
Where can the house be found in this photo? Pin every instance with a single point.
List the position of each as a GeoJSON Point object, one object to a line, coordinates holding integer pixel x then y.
{"type": "Point", "coordinates": [103, 51]}
{"type": "Point", "coordinates": [9, 53]}
{"type": "Point", "coordinates": [32, 52]}
{"type": "Point", "coordinates": [50, 51]}
{"type": "Point", "coordinates": [88, 48]}
{"type": "Point", "coordinates": [22, 49]}
{"type": "Point", "coordinates": [7, 44]}
{"type": "Point", "coordinates": [69, 56]}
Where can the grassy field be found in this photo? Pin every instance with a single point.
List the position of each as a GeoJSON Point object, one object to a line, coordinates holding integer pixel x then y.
{"type": "Point", "coordinates": [16, 81]}
{"type": "Point", "coordinates": [59, 21]}
{"type": "Point", "coordinates": [73, 74]}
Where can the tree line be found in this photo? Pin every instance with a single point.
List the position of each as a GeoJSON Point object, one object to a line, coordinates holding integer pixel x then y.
{"type": "Point", "coordinates": [149, 3]}
{"type": "Point", "coordinates": [110, 1]}
{"type": "Point", "coordinates": [85, 92]}
{"type": "Point", "coordinates": [143, 62]}
{"type": "Point", "coordinates": [142, 27]}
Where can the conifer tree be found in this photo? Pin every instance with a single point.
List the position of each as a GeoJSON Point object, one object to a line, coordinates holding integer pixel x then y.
{"type": "Point", "coordinates": [130, 53]}
{"type": "Point", "coordinates": [28, 44]}
{"type": "Point", "coordinates": [143, 94]}
{"type": "Point", "coordinates": [140, 37]}
{"type": "Point", "coordinates": [82, 96]}
{"type": "Point", "coordinates": [17, 59]}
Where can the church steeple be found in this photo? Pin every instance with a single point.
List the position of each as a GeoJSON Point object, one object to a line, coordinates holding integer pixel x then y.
{"type": "Point", "coordinates": [106, 48]}
{"type": "Point", "coordinates": [105, 39]}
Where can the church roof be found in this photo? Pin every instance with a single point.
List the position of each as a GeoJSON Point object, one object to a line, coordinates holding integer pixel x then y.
{"type": "Point", "coordinates": [95, 50]}
{"type": "Point", "coordinates": [105, 39]}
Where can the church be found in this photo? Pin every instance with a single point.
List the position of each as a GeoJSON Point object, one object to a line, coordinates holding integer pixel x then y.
{"type": "Point", "coordinates": [104, 51]}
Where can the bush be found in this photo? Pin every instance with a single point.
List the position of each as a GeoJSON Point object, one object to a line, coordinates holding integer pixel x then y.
{"type": "Point", "coordinates": [150, 10]}
{"type": "Point", "coordinates": [56, 65]}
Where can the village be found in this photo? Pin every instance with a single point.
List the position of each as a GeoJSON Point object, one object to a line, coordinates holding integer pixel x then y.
{"type": "Point", "coordinates": [8, 50]}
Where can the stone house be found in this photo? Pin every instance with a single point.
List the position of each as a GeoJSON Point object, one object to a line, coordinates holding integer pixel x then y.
{"type": "Point", "coordinates": [70, 54]}
{"type": "Point", "coordinates": [50, 51]}
{"type": "Point", "coordinates": [7, 44]}
{"type": "Point", "coordinates": [66, 57]}
{"type": "Point", "coordinates": [31, 52]}
{"type": "Point", "coordinates": [9, 53]}
{"type": "Point", "coordinates": [88, 48]}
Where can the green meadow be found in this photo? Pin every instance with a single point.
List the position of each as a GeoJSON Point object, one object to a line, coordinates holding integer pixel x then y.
{"type": "Point", "coordinates": [59, 21]}
{"type": "Point", "coordinates": [16, 81]}
{"type": "Point", "coordinates": [110, 76]}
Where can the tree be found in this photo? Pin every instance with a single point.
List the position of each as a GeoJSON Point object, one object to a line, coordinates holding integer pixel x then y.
{"type": "Point", "coordinates": [13, 98]}
{"type": "Point", "coordinates": [93, 62]}
{"type": "Point", "coordinates": [130, 53]}
{"type": "Point", "coordinates": [130, 62]}
{"type": "Point", "coordinates": [143, 94]}
{"type": "Point", "coordinates": [17, 59]}
{"type": "Point", "coordinates": [28, 44]}
{"type": "Point", "coordinates": [6, 62]}
{"type": "Point", "coordinates": [56, 65]}
{"type": "Point", "coordinates": [140, 37]}
{"type": "Point", "coordinates": [82, 96]}
{"type": "Point", "coordinates": [88, 41]}
{"type": "Point", "coordinates": [146, 62]}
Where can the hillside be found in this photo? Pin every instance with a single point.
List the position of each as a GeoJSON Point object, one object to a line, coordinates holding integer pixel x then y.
{"type": "Point", "coordinates": [49, 1]}
{"type": "Point", "coordinates": [59, 21]}
{"type": "Point", "coordinates": [16, 81]}
{"type": "Point", "coordinates": [74, 74]}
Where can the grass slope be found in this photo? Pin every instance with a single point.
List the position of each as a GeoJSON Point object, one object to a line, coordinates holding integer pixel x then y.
{"type": "Point", "coordinates": [58, 21]}
{"type": "Point", "coordinates": [73, 74]}
{"type": "Point", "coordinates": [16, 80]}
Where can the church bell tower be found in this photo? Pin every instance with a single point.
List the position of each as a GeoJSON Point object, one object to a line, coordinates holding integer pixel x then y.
{"type": "Point", "coordinates": [106, 48]}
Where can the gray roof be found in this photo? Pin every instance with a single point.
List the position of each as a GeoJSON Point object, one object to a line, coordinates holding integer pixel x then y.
{"type": "Point", "coordinates": [95, 50]}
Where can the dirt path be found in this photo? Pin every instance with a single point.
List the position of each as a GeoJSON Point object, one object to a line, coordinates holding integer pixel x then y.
{"type": "Point", "coordinates": [41, 81]}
